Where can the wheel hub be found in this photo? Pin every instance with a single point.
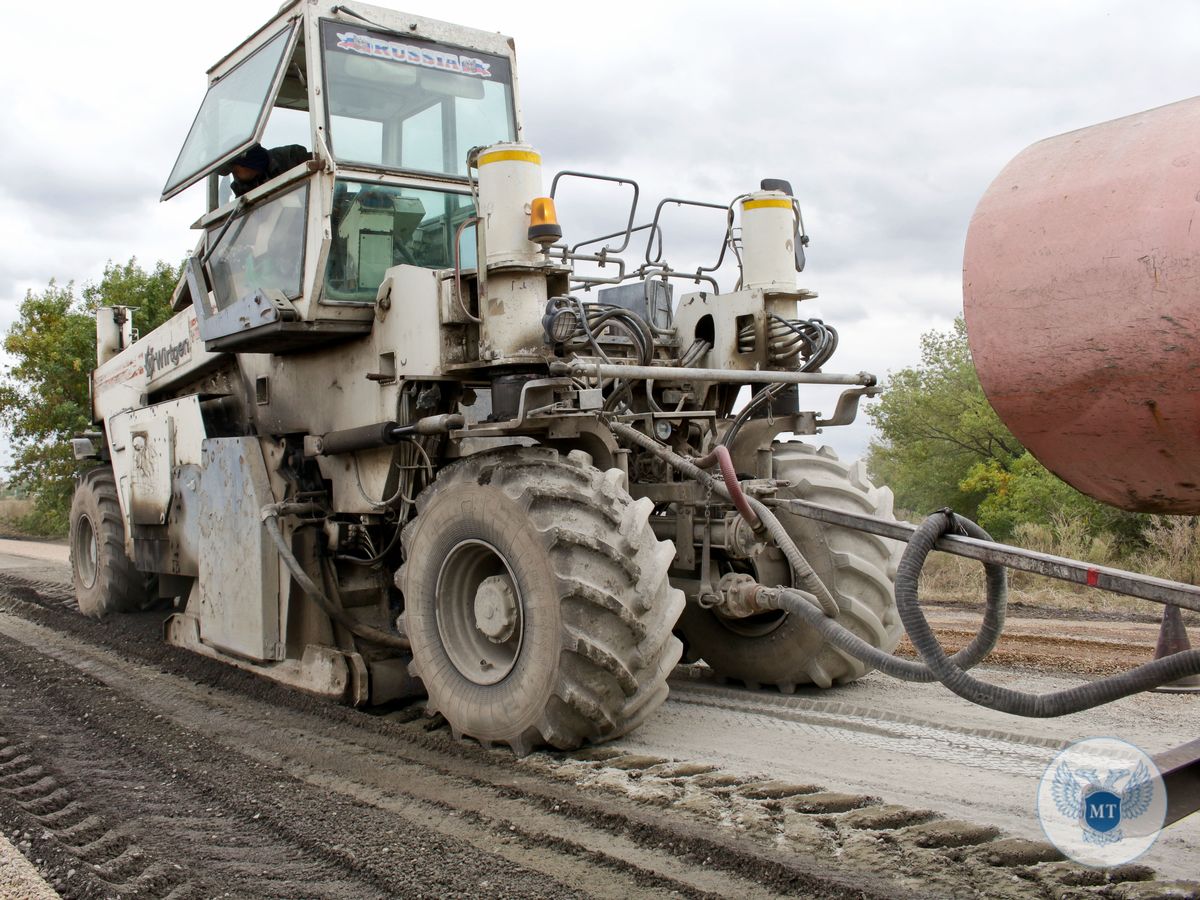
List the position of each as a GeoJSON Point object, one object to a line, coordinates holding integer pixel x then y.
{"type": "Point", "coordinates": [479, 612]}
{"type": "Point", "coordinates": [766, 567]}
{"type": "Point", "coordinates": [86, 551]}
{"type": "Point", "coordinates": [496, 608]}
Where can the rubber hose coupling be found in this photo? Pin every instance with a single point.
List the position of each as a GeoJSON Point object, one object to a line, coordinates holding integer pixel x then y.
{"type": "Point", "coordinates": [741, 596]}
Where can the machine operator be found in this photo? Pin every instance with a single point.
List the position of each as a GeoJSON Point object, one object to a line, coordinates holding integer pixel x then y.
{"type": "Point", "coordinates": [258, 165]}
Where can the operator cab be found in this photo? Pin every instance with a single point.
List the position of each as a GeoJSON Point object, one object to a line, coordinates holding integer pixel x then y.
{"type": "Point", "coordinates": [387, 106]}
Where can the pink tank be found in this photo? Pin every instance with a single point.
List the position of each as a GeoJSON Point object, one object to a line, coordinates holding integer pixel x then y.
{"type": "Point", "coordinates": [1081, 289]}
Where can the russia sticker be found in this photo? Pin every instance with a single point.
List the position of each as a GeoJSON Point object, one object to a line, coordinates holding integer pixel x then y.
{"type": "Point", "coordinates": [1102, 802]}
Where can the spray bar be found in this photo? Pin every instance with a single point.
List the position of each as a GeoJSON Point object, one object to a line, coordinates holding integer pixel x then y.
{"type": "Point", "coordinates": [1104, 578]}
{"type": "Point", "coordinates": [585, 369]}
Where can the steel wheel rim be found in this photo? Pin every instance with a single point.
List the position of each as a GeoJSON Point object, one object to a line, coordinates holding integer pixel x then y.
{"type": "Point", "coordinates": [86, 551]}
{"type": "Point", "coordinates": [477, 657]}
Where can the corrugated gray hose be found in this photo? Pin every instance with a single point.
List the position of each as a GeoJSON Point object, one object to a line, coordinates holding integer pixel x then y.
{"type": "Point", "coordinates": [1056, 703]}
{"type": "Point", "coordinates": [949, 670]}
{"type": "Point", "coordinates": [937, 666]}
{"type": "Point", "coordinates": [798, 603]}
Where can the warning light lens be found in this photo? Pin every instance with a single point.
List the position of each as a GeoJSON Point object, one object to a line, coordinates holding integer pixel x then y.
{"type": "Point", "coordinates": [543, 222]}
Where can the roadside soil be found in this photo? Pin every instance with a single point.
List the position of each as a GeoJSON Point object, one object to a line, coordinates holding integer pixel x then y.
{"type": "Point", "coordinates": [130, 768]}
{"type": "Point", "coordinates": [1080, 645]}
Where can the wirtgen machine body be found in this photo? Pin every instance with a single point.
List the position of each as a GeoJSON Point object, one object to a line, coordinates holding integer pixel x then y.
{"type": "Point", "coordinates": [375, 441]}
{"type": "Point", "coordinates": [400, 436]}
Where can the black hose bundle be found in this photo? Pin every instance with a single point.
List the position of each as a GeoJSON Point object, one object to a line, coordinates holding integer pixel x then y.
{"type": "Point", "coordinates": [808, 341]}
{"type": "Point", "coordinates": [1056, 703]}
{"type": "Point", "coordinates": [811, 341]}
{"type": "Point", "coordinates": [595, 319]}
{"type": "Point", "coordinates": [951, 670]}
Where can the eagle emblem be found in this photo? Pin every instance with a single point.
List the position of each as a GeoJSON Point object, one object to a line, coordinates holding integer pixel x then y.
{"type": "Point", "coordinates": [1102, 805]}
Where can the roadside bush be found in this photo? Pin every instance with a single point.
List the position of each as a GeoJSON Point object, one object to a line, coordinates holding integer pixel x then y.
{"type": "Point", "coordinates": [44, 393]}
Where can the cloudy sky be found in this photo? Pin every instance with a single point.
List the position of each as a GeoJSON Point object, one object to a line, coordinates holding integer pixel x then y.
{"type": "Point", "coordinates": [890, 120]}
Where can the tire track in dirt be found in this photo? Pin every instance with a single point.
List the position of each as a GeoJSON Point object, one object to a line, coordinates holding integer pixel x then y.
{"type": "Point", "coordinates": [150, 809]}
{"type": "Point", "coordinates": [601, 820]}
{"type": "Point", "coordinates": [540, 829]}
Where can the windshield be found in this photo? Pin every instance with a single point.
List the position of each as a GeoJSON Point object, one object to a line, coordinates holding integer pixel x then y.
{"type": "Point", "coordinates": [403, 103]}
{"type": "Point", "coordinates": [230, 114]}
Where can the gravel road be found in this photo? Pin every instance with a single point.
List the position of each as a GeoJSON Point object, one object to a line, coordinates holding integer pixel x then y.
{"type": "Point", "coordinates": [135, 769]}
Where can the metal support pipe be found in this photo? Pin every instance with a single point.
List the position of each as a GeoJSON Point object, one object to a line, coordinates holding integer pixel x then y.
{"type": "Point", "coordinates": [1104, 578]}
{"type": "Point", "coordinates": [1180, 768]}
{"type": "Point", "coordinates": [666, 528]}
{"type": "Point", "coordinates": [583, 369]}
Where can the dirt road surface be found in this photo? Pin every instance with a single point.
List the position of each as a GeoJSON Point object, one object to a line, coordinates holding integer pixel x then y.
{"type": "Point", "coordinates": [129, 768]}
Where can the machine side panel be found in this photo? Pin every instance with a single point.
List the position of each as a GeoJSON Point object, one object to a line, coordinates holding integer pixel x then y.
{"type": "Point", "coordinates": [148, 446]}
{"type": "Point", "coordinates": [170, 354]}
{"type": "Point", "coordinates": [239, 566]}
{"type": "Point", "coordinates": [718, 319]}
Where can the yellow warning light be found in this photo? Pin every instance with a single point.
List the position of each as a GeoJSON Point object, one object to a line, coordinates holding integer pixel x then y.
{"type": "Point", "coordinates": [543, 222]}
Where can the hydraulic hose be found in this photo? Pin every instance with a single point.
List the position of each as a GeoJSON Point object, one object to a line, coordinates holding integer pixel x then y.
{"type": "Point", "coordinates": [802, 573]}
{"type": "Point", "coordinates": [984, 642]}
{"type": "Point", "coordinates": [803, 606]}
{"type": "Point", "coordinates": [950, 670]}
{"type": "Point", "coordinates": [270, 518]}
{"type": "Point", "coordinates": [720, 455]}
{"type": "Point", "coordinates": [1055, 703]}
{"type": "Point", "coordinates": [818, 607]}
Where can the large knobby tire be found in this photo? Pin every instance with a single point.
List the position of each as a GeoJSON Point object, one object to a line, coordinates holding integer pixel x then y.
{"type": "Point", "coordinates": [105, 579]}
{"type": "Point", "coordinates": [537, 600]}
{"type": "Point", "coordinates": [858, 568]}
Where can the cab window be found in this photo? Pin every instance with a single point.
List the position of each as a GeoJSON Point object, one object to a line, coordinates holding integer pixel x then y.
{"type": "Point", "coordinates": [230, 114]}
{"type": "Point", "coordinates": [288, 120]}
{"type": "Point", "coordinates": [375, 227]}
{"type": "Point", "coordinates": [264, 249]}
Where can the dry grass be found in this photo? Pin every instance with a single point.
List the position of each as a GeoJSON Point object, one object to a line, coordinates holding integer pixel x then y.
{"type": "Point", "coordinates": [1174, 551]}
{"type": "Point", "coordinates": [12, 511]}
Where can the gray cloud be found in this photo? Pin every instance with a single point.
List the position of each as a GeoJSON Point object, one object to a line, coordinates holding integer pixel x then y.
{"type": "Point", "coordinates": [889, 119]}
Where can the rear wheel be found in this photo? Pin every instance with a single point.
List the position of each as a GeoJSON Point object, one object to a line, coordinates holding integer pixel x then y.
{"type": "Point", "coordinates": [858, 568]}
{"type": "Point", "coordinates": [537, 601]}
{"type": "Point", "coordinates": [105, 579]}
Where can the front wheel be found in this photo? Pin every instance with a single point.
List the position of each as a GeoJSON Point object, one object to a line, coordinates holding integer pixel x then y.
{"type": "Point", "coordinates": [537, 601]}
{"type": "Point", "coordinates": [105, 579]}
{"type": "Point", "coordinates": [858, 568]}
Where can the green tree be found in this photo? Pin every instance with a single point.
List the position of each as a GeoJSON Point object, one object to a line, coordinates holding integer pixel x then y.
{"type": "Point", "coordinates": [44, 393]}
{"type": "Point", "coordinates": [935, 425]}
{"type": "Point", "coordinates": [1026, 491]}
